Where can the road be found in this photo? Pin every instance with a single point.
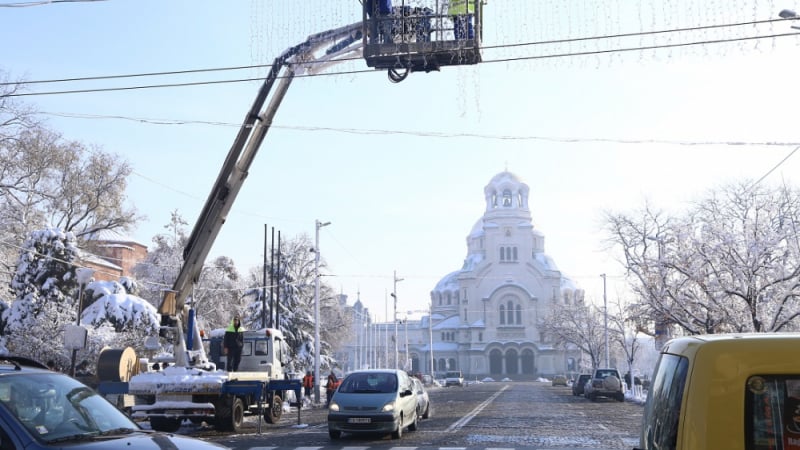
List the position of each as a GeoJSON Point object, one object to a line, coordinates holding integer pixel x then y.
{"type": "Point", "coordinates": [530, 415]}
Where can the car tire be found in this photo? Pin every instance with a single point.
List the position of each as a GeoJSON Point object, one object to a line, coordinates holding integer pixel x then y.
{"type": "Point", "coordinates": [427, 412]}
{"type": "Point", "coordinates": [398, 433]}
{"type": "Point", "coordinates": [413, 425]}
{"type": "Point", "coordinates": [620, 397]}
{"type": "Point", "coordinates": [334, 434]}
{"type": "Point", "coordinates": [611, 383]}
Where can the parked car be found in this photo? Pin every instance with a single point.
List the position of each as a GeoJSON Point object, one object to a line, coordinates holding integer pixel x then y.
{"type": "Point", "coordinates": [605, 383]}
{"type": "Point", "coordinates": [454, 378]}
{"type": "Point", "coordinates": [580, 383]}
{"type": "Point", "coordinates": [423, 399]}
{"type": "Point", "coordinates": [42, 409]}
{"type": "Point", "coordinates": [743, 388]}
{"type": "Point", "coordinates": [560, 380]}
{"type": "Point", "coordinates": [373, 401]}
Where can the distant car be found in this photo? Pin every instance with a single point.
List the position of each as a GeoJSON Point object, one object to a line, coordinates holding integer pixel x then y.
{"type": "Point", "coordinates": [373, 401]}
{"type": "Point", "coordinates": [605, 383]}
{"type": "Point", "coordinates": [423, 399]}
{"type": "Point", "coordinates": [580, 383]}
{"type": "Point", "coordinates": [454, 378]}
{"type": "Point", "coordinates": [41, 409]}
{"type": "Point", "coordinates": [560, 380]}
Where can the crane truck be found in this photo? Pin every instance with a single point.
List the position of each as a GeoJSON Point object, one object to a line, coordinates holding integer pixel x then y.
{"type": "Point", "coordinates": [191, 387]}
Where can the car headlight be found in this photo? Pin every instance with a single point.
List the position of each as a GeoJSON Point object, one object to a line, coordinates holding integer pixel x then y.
{"type": "Point", "coordinates": [334, 407]}
{"type": "Point", "coordinates": [388, 407]}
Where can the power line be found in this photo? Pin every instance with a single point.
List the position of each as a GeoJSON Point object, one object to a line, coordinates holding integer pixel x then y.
{"type": "Point", "coordinates": [521, 58]}
{"type": "Point", "coordinates": [43, 2]}
{"type": "Point", "coordinates": [488, 47]}
{"type": "Point", "coordinates": [432, 134]}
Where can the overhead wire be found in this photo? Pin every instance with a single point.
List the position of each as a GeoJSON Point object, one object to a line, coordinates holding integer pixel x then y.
{"type": "Point", "coordinates": [485, 47]}
{"type": "Point", "coordinates": [351, 72]}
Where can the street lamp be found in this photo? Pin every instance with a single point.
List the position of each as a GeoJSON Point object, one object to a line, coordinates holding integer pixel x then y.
{"type": "Point", "coordinates": [605, 315]}
{"type": "Point", "coordinates": [394, 295]}
{"type": "Point", "coordinates": [316, 309]}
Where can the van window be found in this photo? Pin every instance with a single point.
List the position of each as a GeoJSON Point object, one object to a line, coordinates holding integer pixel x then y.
{"type": "Point", "coordinates": [772, 412]}
{"type": "Point", "coordinates": [663, 409]}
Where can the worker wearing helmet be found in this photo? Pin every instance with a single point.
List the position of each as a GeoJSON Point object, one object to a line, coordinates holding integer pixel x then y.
{"type": "Point", "coordinates": [462, 12]}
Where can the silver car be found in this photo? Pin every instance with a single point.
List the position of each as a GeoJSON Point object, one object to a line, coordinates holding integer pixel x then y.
{"type": "Point", "coordinates": [423, 400]}
{"type": "Point", "coordinates": [373, 401]}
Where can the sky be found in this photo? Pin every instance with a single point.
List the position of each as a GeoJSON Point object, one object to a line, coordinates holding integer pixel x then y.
{"type": "Point", "coordinates": [399, 169]}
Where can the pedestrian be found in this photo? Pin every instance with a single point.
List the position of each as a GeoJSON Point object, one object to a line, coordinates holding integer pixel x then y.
{"type": "Point", "coordinates": [308, 383]}
{"type": "Point", "coordinates": [233, 343]}
{"type": "Point", "coordinates": [330, 387]}
{"type": "Point", "coordinates": [462, 12]}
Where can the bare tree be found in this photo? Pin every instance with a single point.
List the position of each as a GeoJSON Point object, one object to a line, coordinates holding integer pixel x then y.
{"type": "Point", "coordinates": [579, 324]}
{"type": "Point", "coordinates": [14, 116]}
{"type": "Point", "coordinates": [730, 263]}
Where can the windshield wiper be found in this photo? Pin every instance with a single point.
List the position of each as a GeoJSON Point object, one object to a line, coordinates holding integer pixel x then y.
{"type": "Point", "coordinates": [118, 431]}
{"type": "Point", "coordinates": [75, 437]}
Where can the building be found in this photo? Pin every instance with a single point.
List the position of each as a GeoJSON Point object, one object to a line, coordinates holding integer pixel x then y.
{"type": "Point", "coordinates": [112, 255]}
{"type": "Point", "coordinates": [485, 316]}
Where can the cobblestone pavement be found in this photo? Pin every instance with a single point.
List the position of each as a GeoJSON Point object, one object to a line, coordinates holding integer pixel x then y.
{"type": "Point", "coordinates": [528, 415]}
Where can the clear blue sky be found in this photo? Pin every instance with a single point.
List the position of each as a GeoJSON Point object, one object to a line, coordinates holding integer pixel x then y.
{"type": "Point", "coordinates": [585, 132]}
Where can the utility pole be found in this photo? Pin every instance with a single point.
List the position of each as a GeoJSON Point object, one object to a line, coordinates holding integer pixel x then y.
{"type": "Point", "coordinates": [318, 225]}
{"type": "Point", "coordinates": [394, 295]}
{"type": "Point", "coordinates": [430, 336]}
{"type": "Point", "coordinates": [605, 318]}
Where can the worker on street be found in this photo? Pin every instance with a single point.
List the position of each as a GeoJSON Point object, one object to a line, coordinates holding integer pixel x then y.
{"type": "Point", "coordinates": [308, 384]}
{"type": "Point", "coordinates": [330, 387]}
{"type": "Point", "coordinates": [233, 344]}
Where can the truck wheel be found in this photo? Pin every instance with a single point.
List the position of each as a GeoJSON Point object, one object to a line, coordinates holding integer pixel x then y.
{"type": "Point", "coordinates": [334, 434]}
{"type": "Point", "coordinates": [230, 417]}
{"type": "Point", "coordinates": [165, 424]}
{"type": "Point", "coordinates": [274, 410]}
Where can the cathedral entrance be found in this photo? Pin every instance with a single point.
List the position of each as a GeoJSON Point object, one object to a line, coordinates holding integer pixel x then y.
{"type": "Point", "coordinates": [528, 367]}
{"type": "Point", "coordinates": [495, 362]}
{"type": "Point", "coordinates": [512, 362]}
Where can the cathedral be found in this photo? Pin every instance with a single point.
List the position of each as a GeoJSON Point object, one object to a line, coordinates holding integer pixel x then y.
{"type": "Point", "coordinates": [485, 317]}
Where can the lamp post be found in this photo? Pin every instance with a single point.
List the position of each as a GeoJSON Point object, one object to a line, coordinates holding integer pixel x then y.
{"type": "Point", "coordinates": [394, 295]}
{"type": "Point", "coordinates": [605, 318]}
{"type": "Point", "coordinates": [316, 309]}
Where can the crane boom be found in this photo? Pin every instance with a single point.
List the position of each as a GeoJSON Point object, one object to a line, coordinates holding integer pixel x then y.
{"type": "Point", "coordinates": [334, 45]}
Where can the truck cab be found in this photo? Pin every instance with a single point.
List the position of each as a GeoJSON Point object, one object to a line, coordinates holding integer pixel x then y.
{"type": "Point", "coordinates": [264, 351]}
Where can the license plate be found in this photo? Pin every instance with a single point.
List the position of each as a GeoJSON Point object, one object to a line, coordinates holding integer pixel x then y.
{"type": "Point", "coordinates": [358, 420]}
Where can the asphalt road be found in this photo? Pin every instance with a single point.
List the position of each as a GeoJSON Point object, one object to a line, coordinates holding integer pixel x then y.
{"type": "Point", "coordinates": [530, 415]}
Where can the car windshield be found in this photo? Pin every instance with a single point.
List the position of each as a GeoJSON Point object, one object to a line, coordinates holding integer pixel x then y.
{"type": "Point", "coordinates": [370, 383]}
{"type": "Point", "coordinates": [56, 407]}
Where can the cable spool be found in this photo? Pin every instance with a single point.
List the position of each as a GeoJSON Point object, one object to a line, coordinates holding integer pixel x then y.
{"type": "Point", "coordinates": [117, 364]}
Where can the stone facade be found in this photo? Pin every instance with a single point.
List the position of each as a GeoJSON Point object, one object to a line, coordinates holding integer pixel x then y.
{"type": "Point", "coordinates": [486, 315]}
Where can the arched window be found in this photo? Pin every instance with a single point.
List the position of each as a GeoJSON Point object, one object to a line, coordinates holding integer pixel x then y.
{"type": "Point", "coordinates": [519, 315]}
{"type": "Point", "coordinates": [507, 198]}
{"type": "Point", "coordinates": [465, 314]}
{"type": "Point", "coordinates": [510, 313]}
{"type": "Point", "coordinates": [448, 298]}
{"type": "Point", "coordinates": [502, 253]}
{"type": "Point", "coordinates": [502, 315]}
{"type": "Point", "coordinates": [515, 253]}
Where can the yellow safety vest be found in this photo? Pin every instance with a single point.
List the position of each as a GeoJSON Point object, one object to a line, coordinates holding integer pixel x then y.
{"type": "Point", "coordinates": [458, 7]}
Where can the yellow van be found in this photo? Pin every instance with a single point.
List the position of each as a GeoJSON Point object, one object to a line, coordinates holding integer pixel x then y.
{"type": "Point", "coordinates": [727, 391]}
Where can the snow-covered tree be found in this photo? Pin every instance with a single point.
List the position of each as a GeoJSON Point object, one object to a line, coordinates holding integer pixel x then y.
{"type": "Point", "coordinates": [577, 323]}
{"type": "Point", "coordinates": [730, 263]}
{"type": "Point", "coordinates": [293, 304]}
{"type": "Point", "coordinates": [216, 297]}
{"type": "Point", "coordinates": [45, 288]}
{"type": "Point", "coordinates": [46, 181]}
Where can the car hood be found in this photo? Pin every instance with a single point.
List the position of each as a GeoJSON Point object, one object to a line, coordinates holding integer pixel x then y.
{"type": "Point", "coordinates": [363, 401]}
{"type": "Point", "coordinates": [147, 441]}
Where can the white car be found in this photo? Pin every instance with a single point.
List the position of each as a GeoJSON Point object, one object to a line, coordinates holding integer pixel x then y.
{"type": "Point", "coordinates": [454, 378]}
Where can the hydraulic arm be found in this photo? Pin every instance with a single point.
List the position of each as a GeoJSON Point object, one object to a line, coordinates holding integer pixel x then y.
{"type": "Point", "coordinates": [315, 54]}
